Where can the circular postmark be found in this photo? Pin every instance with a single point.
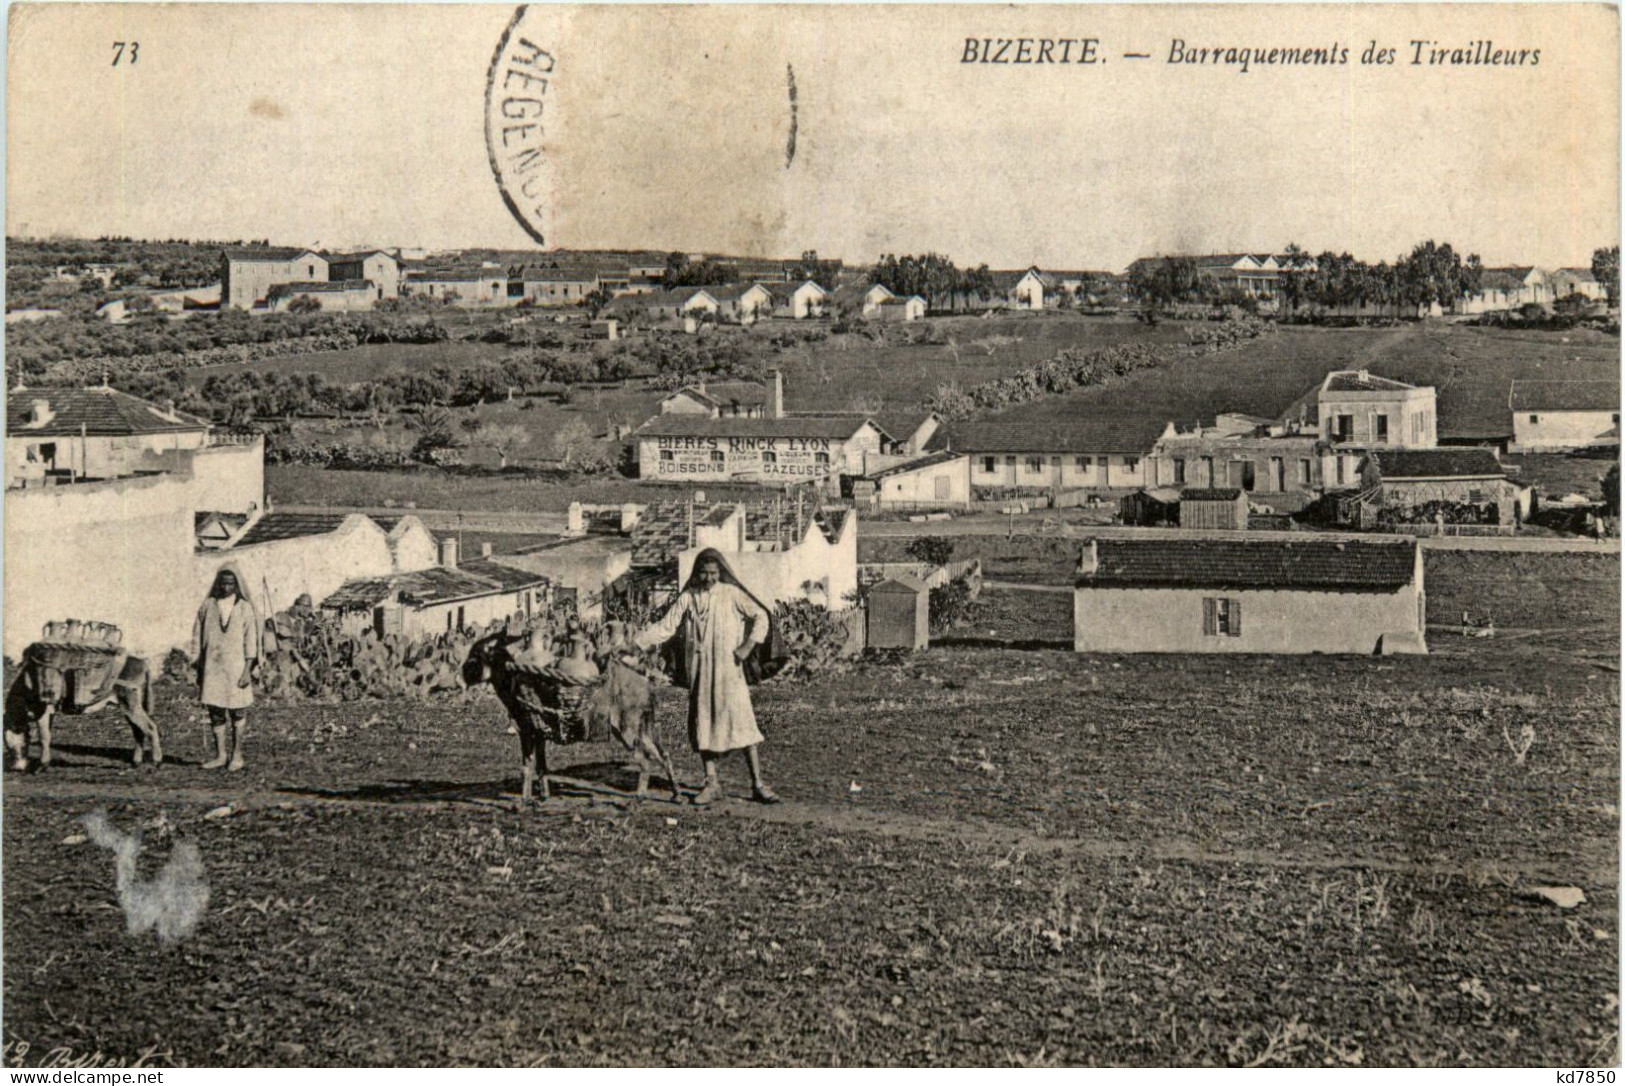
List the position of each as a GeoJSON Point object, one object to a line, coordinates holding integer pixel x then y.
{"type": "Point", "coordinates": [519, 99]}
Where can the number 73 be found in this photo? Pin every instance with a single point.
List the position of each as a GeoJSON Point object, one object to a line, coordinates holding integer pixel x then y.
{"type": "Point", "coordinates": [119, 55]}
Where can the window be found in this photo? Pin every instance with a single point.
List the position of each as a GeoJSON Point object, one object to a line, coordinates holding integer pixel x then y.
{"type": "Point", "coordinates": [1085, 463]}
{"type": "Point", "coordinates": [1381, 427]}
{"type": "Point", "coordinates": [1131, 463]}
{"type": "Point", "coordinates": [1207, 478]}
{"type": "Point", "coordinates": [1009, 461]}
{"type": "Point", "coordinates": [1305, 472]}
{"type": "Point", "coordinates": [1345, 428]}
{"type": "Point", "coordinates": [1534, 418]}
{"type": "Point", "coordinates": [1475, 496]}
{"type": "Point", "coordinates": [1221, 617]}
{"type": "Point", "coordinates": [990, 464]}
{"type": "Point", "coordinates": [1341, 472]}
{"type": "Point", "coordinates": [1277, 474]}
{"type": "Point", "coordinates": [821, 459]}
{"type": "Point", "coordinates": [770, 457]}
{"type": "Point", "coordinates": [1035, 465]}
{"type": "Point", "coordinates": [665, 454]}
{"type": "Point", "coordinates": [1616, 420]}
{"type": "Point", "coordinates": [1179, 469]}
{"type": "Point", "coordinates": [717, 456]}
{"type": "Point", "coordinates": [310, 271]}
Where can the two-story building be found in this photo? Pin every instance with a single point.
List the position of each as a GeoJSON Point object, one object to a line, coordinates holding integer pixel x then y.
{"type": "Point", "coordinates": [771, 451]}
{"type": "Point", "coordinates": [381, 270]}
{"type": "Point", "coordinates": [248, 274]}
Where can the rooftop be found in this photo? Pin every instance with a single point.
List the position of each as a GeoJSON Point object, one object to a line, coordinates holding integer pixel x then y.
{"type": "Point", "coordinates": [926, 461]}
{"type": "Point", "coordinates": [1459, 463]}
{"type": "Point", "coordinates": [1564, 396]}
{"type": "Point", "coordinates": [100, 411]}
{"type": "Point", "coordinates": [832, 429]}
{"type": "Point", "coordinates": [1210, 494]}
{"type": "Point", "coordinates": [267, 254]}
{"type": "Point", "coordinates": [729, 392]}
{"type": "Point", "coordinates": [1050, 428]}
{"type": "Point", "coordinates": [438, 584]}
{"type": "Point", "coordinates": [274, 527]}
{"type": "Point", "coordinates": [1323, 565]}
{"type": "Point", "coordinates": [1361, 381]}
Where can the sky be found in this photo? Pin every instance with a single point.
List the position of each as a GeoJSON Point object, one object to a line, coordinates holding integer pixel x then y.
{"type": "Point", "coordinates": [667, 128]}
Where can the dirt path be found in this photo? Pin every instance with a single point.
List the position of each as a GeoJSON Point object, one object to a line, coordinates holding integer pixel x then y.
{"type": "Point", "coordinates": [1593, 870]}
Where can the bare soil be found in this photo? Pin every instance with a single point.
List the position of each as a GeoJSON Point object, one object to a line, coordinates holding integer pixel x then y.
{"type": "Point", "coordinates": [1008, 855]}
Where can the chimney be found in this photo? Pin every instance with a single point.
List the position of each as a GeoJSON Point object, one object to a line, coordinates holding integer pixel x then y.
{"type": "Point", "coordinates": [630, 512]}
{"type": "Point", "coordinates": [778, 394]}
{"type": "Point", "coordinates": [576, 521]}
{"type": "Point", "coordinates": [485, 550]}
{"type": "Point", "coordinates": [42, 413]}
{"type": "Point", "coordinates": [1089, 560]}
{"type": "Point", "coordinates": [448, 552]}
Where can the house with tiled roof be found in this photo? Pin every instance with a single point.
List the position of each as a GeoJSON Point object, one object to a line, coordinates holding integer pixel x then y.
{"type": "Point", "coordinates": [1411, 480]}
{"type": "Point", "coordinates": [554, 287]}
{"type": "Point", "coordinates": [1558, 415]}
{"type": "Point", "coordinates": [732, 399]}
{"type": "Point", "coordinates": [381, 270]}
{"type": "Point", "coordinates": [1509, 287]}
{"type": "Point", "coordinates": [1359, 409]}
{"type": "Point", "coordinates": [692, 448]}
{"type": "Point", "coordinates": [1316, 595]}
{"type": "Point", "coordinates": [1053, 447]}
{"type": "Point", "coordinates": [247, 274]}
{"type": "Point", "coordinates": [334, 296]}
{"type": "Point", "coordinates": [937, 480]}
{"type": "Point", "coordinates": [475, 287]}
{"type": "Point", "coordinates": [1565, 282]}
{"type": "Point", "coordinates": [438, 599]}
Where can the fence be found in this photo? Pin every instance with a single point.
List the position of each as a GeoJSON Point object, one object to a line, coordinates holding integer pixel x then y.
{"type": "Point", "coordinates": [1430, 529]}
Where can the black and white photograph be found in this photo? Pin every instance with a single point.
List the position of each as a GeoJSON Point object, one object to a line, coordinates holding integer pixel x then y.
{"type": "Point", "coordinates": [812, 535]}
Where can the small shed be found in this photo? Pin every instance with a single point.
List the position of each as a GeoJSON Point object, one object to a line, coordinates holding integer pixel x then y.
{"type": "Point", "coordinates": [1149, 507]}
{"type": "Point", "coordinates": [900, 614]}
{"type": "Point", "coordinates": [1217, 507]}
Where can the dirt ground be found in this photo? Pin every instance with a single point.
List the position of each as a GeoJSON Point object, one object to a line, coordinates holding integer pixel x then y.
{"type": "Point", "coordinates": [987, 855]}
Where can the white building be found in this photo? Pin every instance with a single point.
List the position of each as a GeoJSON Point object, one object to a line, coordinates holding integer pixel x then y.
{"type": "Point", "coordinates": [1556, 415]}
{"type": "Point", "coordinates": [1037, 448]}
{"type": "Point", "coordinates": [1185, 595]}
{"type": "Point", "coordinates": [247, 275]}
{"type": "Point", "coordinates": [1358, 408]}
{"type": "Point", "coordinates": [938, 480]}
{"type": "Point", "coordinates": [772, 451]}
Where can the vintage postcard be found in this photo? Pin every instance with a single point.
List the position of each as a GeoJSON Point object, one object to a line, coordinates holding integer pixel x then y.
{"type": "Point", "coordinates": [718, 534]}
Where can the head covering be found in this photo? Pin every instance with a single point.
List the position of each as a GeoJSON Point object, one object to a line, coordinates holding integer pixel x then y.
{"type": "Point", "coordinates": [763, 661]}
{"type": "Point", "coordinates": [242, 582]}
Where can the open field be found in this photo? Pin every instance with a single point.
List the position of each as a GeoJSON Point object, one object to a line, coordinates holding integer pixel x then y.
{"type": "Point", "coordinates": [1047, 858]}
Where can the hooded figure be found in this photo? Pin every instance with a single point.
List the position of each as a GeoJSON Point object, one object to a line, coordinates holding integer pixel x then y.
{"type": "Point", "coordinates": [723, 626]}
{"type": "Point", "coordinates": [227, 639]}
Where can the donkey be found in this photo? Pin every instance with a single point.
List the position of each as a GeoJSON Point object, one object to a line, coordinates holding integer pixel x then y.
{"type": "Point", "coordinates": [40, 691]}
{"type": "Point", "coordinates": [622, 705]}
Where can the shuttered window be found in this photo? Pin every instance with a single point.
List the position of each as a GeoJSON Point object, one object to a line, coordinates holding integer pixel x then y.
{"type": "Point", "coordinates": [1221, 617]}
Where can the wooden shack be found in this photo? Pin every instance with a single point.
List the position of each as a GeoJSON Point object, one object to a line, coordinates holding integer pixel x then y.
{"type": "Point", "coordinates": [1215, 507]}
{"type": "Point", "coordinates": [900, 614]}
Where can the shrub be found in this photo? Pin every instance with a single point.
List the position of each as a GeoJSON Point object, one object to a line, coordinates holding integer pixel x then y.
{"type": "Point", "coordinates": [933, 550]}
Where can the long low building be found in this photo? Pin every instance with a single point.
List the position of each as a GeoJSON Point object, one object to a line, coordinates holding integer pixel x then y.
{"type": "Point", "coordinates": [1040, 448]}
{"type": "Point", "coordinates": [689, 448]}
{"type": "Point", "coordinates": [1558, 415]}
{"type": "Point", "coordinates": [1250, 596]}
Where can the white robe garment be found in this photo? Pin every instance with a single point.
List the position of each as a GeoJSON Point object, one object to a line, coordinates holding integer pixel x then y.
{"type": "Point", "coordinates": [720, 717]}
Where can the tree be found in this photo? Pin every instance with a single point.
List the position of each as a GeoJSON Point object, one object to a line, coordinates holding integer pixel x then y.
{"type": "Point", "coordinates": [305, 303]}
{"type": "Point", "coordinates": [1605, 266]}
{"type": "Point", "coordinates": [1610, 486]}
{"type": "Point", "coordinates": [573, 442]}
{"type": "Point", "coordinates": [505, 440]}
{"type": "Point", "coordinates": [933, 550]}
{"type": "Point", "coordinates": [434, 430]}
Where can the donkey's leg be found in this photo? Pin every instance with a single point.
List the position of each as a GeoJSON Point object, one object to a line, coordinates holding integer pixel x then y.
{"type": "Point", "coordinates": [17, 743]}
{"type": "Point", "coordinates": [527, 741]}
{"type": "Point", "coordinates": [541, 766]}
{"type": "Point", "coordinates": [45, 736]}
{"type": "Point", "coordinates": [147, 737]}
{"type": "Point", "coordinates": [651, 743]}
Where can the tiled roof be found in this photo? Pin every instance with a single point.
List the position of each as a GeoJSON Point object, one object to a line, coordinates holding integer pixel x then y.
{"type": "Point", "coordinates": [740, 392]}
{"type": "Point", "coordinates": [100, 411]}
{"type": "Point", "coordinates": [1461, 463]}
{"type": "Point", "coordinates": [273, 527]}
{"type": "Point", "coordinates": [1520, 273]}
{"type": "Point", "coordinates": [1327, 565]}
{"type": "Point", "coordinates": [437, 584]}
{"type": "Point", "coordinates": [1048, 428]}
{"type": "Point", "coordinates": [832, 429]}
{"type": "Point", "coordinates": [508, 578]}
{"type": "Point", "coordinates": [271, 255]}
{"type": "Point", "coordinates": [328, 287]}
{"type": "Point", "coordinates": [1210, 494]}
{"type": "Point", "coordinates": [1361, 381]}
{"type": "Point", "coordinates": [560, 275]}
{"type": "Point", "coordinates": [1564, 396]}
{"type": "Point", "coordinates": [717, 517]}
{"type": "Point", "coordinates": [663, 529]}
{"type": "Point", "coordinates": [1584, 275]}
{"type": "Point", "coordinates": [929, 460]}
{"type": "Point", "coordinates": [476, 275]}
{"type": "Point", "coordinates": [356, 258]}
